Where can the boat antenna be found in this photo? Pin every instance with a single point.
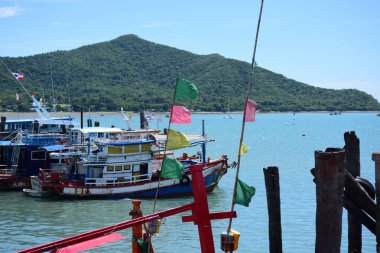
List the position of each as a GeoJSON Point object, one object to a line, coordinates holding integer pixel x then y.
{"type": "Point", "coordinates": [249, 91]}
{"type": "Point", "coordinates": [52, 87]}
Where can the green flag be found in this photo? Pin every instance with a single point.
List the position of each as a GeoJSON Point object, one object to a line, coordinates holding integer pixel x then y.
{"type": "Point", "coordinates": [176, 140]}
{"type": "Point", "coordinates": [171, 168]}
{"type": "Point", "coordinates": [244, 193]}
{"type": "Point", "coordinates": [185, 89]}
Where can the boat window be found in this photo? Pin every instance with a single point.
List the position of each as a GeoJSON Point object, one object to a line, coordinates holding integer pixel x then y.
{"type": "Point", "coordinates": [118, 168]}
{"type": "Point", "coordinates": [54, 160]}
{"type": "Point", "coordinates": [109, 168]}
{"type": "Point", "coordinates": [136, 167]}
{"type": "Point", "coordinates": [131, 149]}
{"type": "Point", "coordinates": [38, 155]}
{"type": "Point", "coordinates": [114, 150]}
{"type": "Point", "coordinates": [127, 167]}
{"type": "Point", "coordinates": [145, 147]}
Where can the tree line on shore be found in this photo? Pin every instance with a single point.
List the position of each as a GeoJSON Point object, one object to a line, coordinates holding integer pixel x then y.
{"type": "Point", "coordinates": [136, 74]}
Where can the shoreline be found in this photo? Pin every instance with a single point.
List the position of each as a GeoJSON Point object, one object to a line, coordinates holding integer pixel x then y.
{"type": "Point", "coordinates": [58, 114]}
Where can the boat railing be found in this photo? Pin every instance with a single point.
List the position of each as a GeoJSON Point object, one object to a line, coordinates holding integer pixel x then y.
{"type": "Point", "coordinates": [40, 139]}
{"type": "Point", "coordinates": [117, 181]}
{"type": "Point", "coordinates": [5, 171]}
{"type": "Point", "coordinates": [121, 157]}
{"type": "Point", "coordinates": [97, 159]}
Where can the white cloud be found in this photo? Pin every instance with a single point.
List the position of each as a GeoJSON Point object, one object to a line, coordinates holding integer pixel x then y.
{"type": "Point", "coordinates": [7, 12]}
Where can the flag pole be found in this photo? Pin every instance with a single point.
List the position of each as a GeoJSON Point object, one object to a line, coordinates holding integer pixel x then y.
{"type": "Point", "coordinates": [249, 91]}
{"type": "Point", "coordinates": [166, 142]}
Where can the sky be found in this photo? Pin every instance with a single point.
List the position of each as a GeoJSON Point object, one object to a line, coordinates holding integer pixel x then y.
{"type": "Point", "coordinates": [324, 43]}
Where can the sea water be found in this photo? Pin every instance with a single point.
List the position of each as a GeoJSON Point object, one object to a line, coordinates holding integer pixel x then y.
{"type": "Point", "coordinates": [287, 141]}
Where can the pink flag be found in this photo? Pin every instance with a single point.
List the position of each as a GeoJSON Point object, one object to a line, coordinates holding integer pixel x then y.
{"type": "Point", "coordinates": [250, 111]}
{"type": "Point", "coordinates": [180, 115]}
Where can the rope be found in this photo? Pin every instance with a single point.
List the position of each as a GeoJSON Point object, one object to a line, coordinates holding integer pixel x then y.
{"type": "Point", "coordinates": [249, 91]}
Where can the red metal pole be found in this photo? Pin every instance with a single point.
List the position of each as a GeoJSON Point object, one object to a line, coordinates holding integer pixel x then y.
{"type": "Point", "coordinates": [200, 211]}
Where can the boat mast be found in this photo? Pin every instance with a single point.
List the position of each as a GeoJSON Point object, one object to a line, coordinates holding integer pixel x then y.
{"type": "Point", "coordinates": [52, 88]}
{"type": "Point", "coordinates": [204, 143]}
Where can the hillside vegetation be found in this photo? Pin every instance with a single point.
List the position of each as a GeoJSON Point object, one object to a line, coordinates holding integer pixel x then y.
{"type": "Point", "coordinates": [136, 74]}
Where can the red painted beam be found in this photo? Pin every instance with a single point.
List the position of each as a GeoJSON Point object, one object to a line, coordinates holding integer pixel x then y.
{"type": "Point", "coordinates": [212, 216]}
{"type": "Point", "coordinates": [103, 231]}
{"type": "Point", "coordinates": [200, 211]}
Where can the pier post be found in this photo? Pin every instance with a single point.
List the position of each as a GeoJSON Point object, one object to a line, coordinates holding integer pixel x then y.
{"type": "Point", "coordinates": [81, 118]}
{"type": "Point", "coordinates": [376, 159]}
{"type": "Point", "coordinates": [137, 229]}
{"type": "Point", "coordinates": [272, 185]}
{"type": "Point", "coordinates": [352, 148]}
{"type": "Point", "coordinates": [329, 176]}
{"type": "Point", "coordinates": [2, 124]}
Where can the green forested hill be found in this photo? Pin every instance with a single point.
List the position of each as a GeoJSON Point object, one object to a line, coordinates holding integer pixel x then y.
{"type": "Point", "coordinates": [137, 74]}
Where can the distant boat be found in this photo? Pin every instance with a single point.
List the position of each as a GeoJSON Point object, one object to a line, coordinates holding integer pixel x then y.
{"type": "Point", "coordinates": [228, 117]}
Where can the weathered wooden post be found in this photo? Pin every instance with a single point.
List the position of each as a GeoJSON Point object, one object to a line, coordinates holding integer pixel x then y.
{"type": "Point", "coordinates": [2, 124]}
{"type": "Point", "coordinates": [376, 158]}
{"type": "Point", "coordinates": [352, 148]}
{"type": "Point", "coordinates": [329, 175]}
{"type": "Point", "coordinates": [272, 185]}
{"type": "Point", "coordinates": [137, 229]}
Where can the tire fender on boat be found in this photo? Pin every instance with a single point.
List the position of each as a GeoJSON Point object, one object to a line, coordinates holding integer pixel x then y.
{"type": "Point", "coordinates": [184, 180]}
{"type": "Point", "coordinates": [368, 186]}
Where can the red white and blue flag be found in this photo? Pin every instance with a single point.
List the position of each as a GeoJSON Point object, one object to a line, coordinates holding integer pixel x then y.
{"type": "Point", "coordinates": [18, 76]}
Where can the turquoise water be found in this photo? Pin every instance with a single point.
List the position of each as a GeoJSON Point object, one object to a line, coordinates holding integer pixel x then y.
{"type": "Point", "coordinates": [284, 140]}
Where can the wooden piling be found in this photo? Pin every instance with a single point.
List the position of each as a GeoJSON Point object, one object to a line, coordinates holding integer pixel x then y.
{"type": "Point", "coordinates": [358, 202]}
{"type": "Point", "coordinates": [137, 229]}
{"type": "Point", "coordinates": [272, 185]}
{"type": "Point", "coordinates": [352, 148]}
{"type": "Point", "coordinates": [376, 158]}
{"type": "Point", "coordinates": [329, 175]}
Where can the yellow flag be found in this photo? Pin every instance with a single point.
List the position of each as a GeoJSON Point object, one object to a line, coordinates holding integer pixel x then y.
{"type": "Point", "coordinates": [243, 149]}
{"type": "Point", "coordinates": [176, 140]}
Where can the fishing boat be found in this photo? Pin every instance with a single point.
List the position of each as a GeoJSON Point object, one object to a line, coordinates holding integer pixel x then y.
{"type": "Point", "coordinates": [120, 169]}
{"type": "Point", "coordinates": [22, 156]}
{"type": "Point", "coordinates": [20, 144]}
